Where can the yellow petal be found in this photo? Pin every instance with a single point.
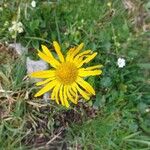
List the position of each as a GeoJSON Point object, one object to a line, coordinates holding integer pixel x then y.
{"type": "Point", "coordinates": [65, 97]}
{"type": "Point", "coordinates": [46, 51]}
{"type": "Point", "coordinates": [83, 93]}
{"type": "Point", "coordinates": [45, 81]}
{"type": "Point", "coordinates": [70, 96]}
{"type": "Point", "coordinates": [82, 55]}
{"type": "Point", "coordinates": [85, 85]}
{"type": "Point", "coordinates": [61, 95]}
{"type": "Point", "coordinates": [84, 73]}
{"type": "Point", "coordinates": [79, 58]}
{"type": "Point", "coordinates": [79, 62]}
{"type": "Point", "coordinates": [56, 95]}
{"type": "Point", "coordinates": [43, 56]}
{"type": "Point", "coordinates": [55, 92]}
{"type": "Point", "coordinates": [46, 88]}
{"type": "Point", "coordinates": [68, 57]}
{"type": "Point", "coordinates": [53, 62]}
{"type": "Point", "coordinates": [93, 67]}
{"type": "Point", "coordinates": [74, 90]}
{"type": "Point", "coordinates": [58, 51]}
{"type": "Point", "coordinates": [88, 59]}
{"type": "Point", "coordinates": [77, 50]}
{"type": "Point", "coordinates": [43, 74]}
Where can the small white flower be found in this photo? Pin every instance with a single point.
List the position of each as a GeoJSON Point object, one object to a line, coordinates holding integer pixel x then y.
{"type": "Point", "coordinates": [10, 29]}
{"type": "Point", "coordinates": [121, 62]}
{"type": "Point", "coordinates": [1, 8]}
{"type": "Point", "coordinates": [13, 36]}
{"type": "Point", "coordinates": [33, 3]}
{"type": "Point", "coordinates": [14, 22]}
{"type": "Point", "coordinates": [17, 27]}
{"type": "Point", "coordinates": [20, 30]}
{"type": "Point", "coordinates": [147, 110]}
{"type": "Point", "coordinates": [6, 23]}
{"type": "Point", "coordinates": [109, 4]}
{"type": "Point", "coordinates": [20, 24]}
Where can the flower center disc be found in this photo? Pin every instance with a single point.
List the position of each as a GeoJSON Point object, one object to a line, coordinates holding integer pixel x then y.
{"type": "Point", "coordinates": [66, 73]}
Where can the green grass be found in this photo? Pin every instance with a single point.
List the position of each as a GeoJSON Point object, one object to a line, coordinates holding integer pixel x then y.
{"type": "Point", "coordinates": [117, 118]}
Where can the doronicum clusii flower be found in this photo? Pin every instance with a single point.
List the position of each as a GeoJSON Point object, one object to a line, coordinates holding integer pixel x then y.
{"type": "Point", "coordinates": [65, 78]}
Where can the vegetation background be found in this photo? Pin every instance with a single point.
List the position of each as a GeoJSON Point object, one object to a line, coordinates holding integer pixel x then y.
{"type": "Point", "coordinates": [118, 117]}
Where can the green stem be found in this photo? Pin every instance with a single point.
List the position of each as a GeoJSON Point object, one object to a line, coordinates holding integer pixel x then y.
{"type": "Point", "coordinates": [37, 38]}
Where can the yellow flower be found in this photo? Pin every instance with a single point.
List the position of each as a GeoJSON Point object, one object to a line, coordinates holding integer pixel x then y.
{"type": "Point", "coordinates": [66, 77]}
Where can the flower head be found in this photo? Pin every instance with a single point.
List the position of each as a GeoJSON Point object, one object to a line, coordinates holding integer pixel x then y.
{"type": "Point", "coordinates": [66, 77]}
{"type": "Point", "coordinates": [147, 110]}
{"type": "Point", "coordinates": [33, 3]}
{"type": "Point", "coordinates": [17, 27]}
{"type": "Point", "coordinates": [1, 8]}
{"type": "Point", "coordinates": [121, 62]}
{"type": "Point", "coordinates": [109, 4]}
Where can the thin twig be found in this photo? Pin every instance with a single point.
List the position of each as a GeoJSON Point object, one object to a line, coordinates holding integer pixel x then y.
{"type": "Point", "coordinates": [3, 91]}
{"type": "Point", "coordinates": [55, 137]}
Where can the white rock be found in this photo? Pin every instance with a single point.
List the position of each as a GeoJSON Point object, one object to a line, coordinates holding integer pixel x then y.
{"type": "Point", "coordinates": [33, 66]}
{"type": "Point", "coordinates": [18, 48]}
{"type": "Point", "coordinates": [46, 96]}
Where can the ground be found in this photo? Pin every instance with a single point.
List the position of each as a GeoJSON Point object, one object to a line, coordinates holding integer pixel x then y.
{"type": "Point", "coordinates": [118, 116]}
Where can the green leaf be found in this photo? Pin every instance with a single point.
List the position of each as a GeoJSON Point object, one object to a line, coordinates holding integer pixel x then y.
{"type": "Point", "coordinates": [34, 24]}
{"type": "Point", "coordinates": [35, 44]}
{"type": "Point", "coordinates": [144, 65]}
{"type": "Point", "coordinates": [106, 82]}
